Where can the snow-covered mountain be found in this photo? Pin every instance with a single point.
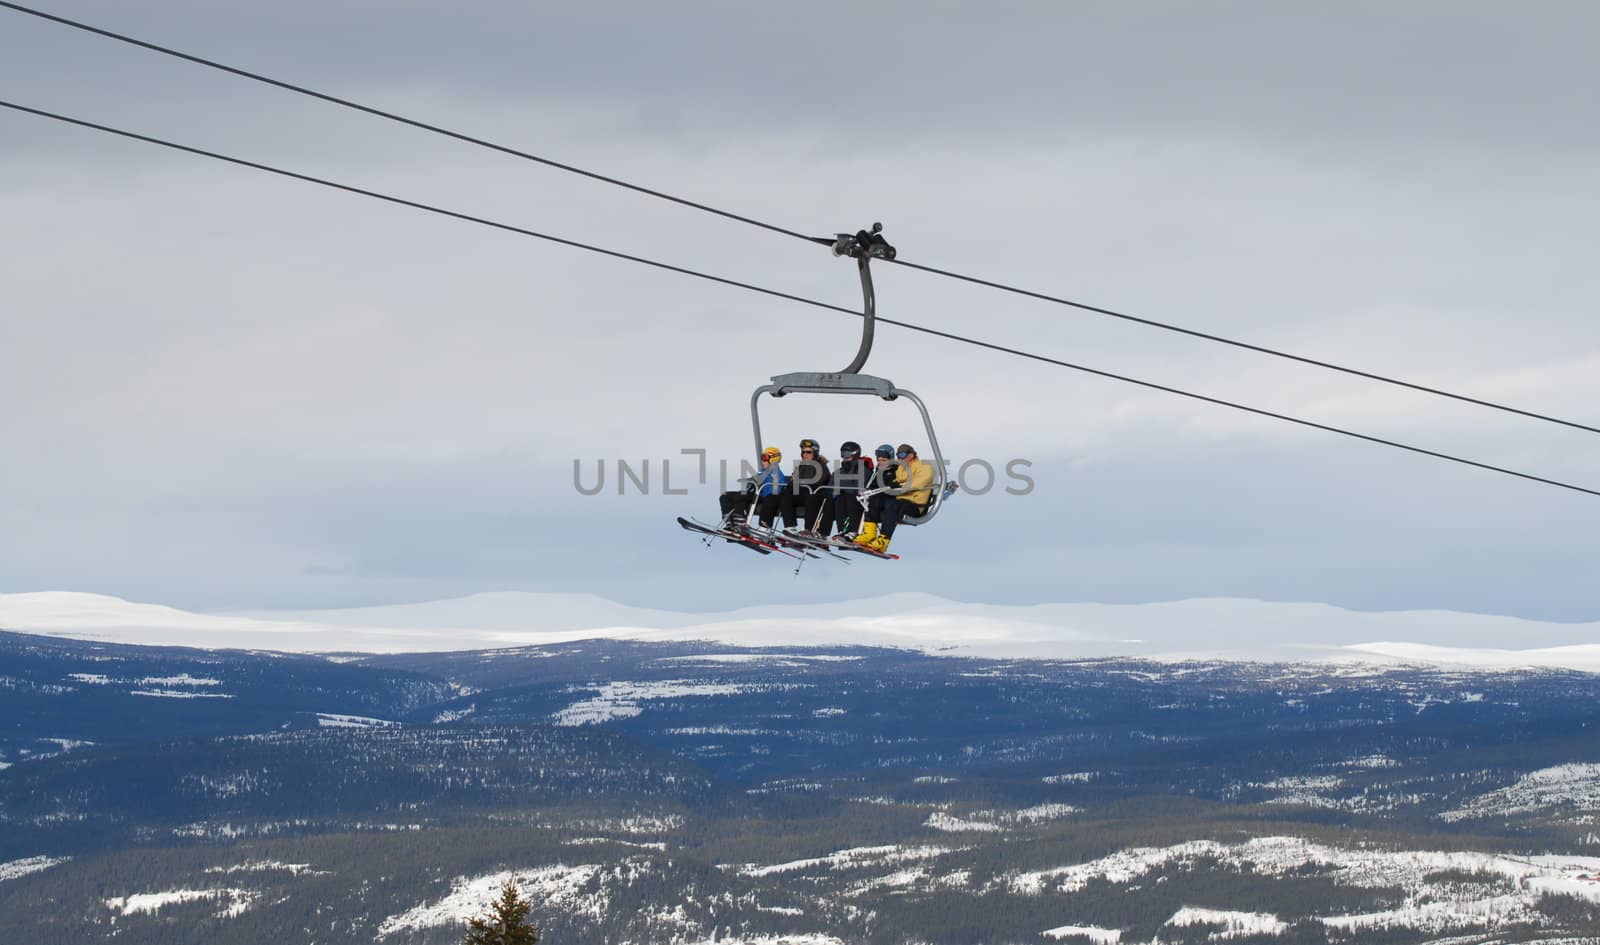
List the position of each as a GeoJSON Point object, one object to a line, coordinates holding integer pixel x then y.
{"type": "Point", "coordinates": [685, 793]}
{"type": "Point", "coordinates": [1219, 628]}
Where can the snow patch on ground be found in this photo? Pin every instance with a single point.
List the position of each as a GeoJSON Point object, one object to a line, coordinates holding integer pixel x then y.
{"type": "Point", "coordinates": [621, 700]}
{"type": "Point", "coordinates": [855, 857]}
{"type": "Point", "coordinates": [1570, 787]}
{"type": "Point", "coordinates": [178, 694]}
{"type": "Point", "coordinates": [1326, 782]}
{"type": "Point", "coordinates": [334, 720]}
{"type": "Point", "coordinates": [1039, 813]}
{"type": "Point", "coordinates": [939, 820]}
{"type": "Point", "coordinates": [1302, 791]}
{"type": "Point", "coordinates": [596, 711]}
{"type": "Point", "coordinates": [67, 744]}
{"type": "Point", "coordinates": [1435, 917]}
{"type": "Point", "coordinates": [1428, 905]}
{"type": "Point", "coordinates": [788, 786]}
{"type": "Point", "coordinates": [1233, 924]}
{"type": "Point", "coordinates": [1071, 777]}
{"type": "Point", "coordinates": [1369, 762]}
{"type": "Point", "coordinates": [182, 679]}
{"type": "Point", "coordinates": [1093, 933]}
{"type": "Point", "coordinates": [454, 715]}
{"type": "Point", "coordinates": [899, 879]}
{"type": "Point", "coordinates": [804, 938]}
{"type": "Point", "coordinates": [268, 866]}
{"type": "Point", "coordinates": [16, 869]}
{"type": "Point", "coordinates": [590, 841]}
{"type": "Point", "coordinates": [230, 902]}
{"type": "Point", "coordinates": [27, 685]}
{"type": "Point", "coordinates": [555, 886]}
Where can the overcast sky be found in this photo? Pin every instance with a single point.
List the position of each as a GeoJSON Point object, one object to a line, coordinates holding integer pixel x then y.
{"type": "Point", "coordinates": [226, 390]}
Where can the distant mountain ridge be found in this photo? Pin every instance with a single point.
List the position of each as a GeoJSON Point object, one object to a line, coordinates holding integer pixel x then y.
{"type": "Point", "coordinates": [1206, 628]}
{"type": "Point", "coordinates": [685, 793]}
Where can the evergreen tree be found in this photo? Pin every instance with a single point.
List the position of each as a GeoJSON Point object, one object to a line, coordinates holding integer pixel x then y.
{"type": "Point", "coordinates": [506, 921]}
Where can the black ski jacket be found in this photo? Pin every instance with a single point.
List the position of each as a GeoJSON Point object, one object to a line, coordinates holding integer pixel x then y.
{"type": "Point", "coordinates": [854, 474]}
{"type": "Point", "coordinates": [810, 475]}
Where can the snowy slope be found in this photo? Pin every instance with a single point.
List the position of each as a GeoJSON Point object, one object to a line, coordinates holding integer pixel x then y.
{"type": "Point", "coordinates": [1198, 629]}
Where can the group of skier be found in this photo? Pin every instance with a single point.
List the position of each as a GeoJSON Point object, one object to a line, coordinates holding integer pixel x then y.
{"type": "Point", "coordinates": [819, 500]}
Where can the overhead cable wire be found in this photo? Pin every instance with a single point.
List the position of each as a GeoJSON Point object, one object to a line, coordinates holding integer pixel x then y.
{"type": "Point", "coordinates": [391, 116]}
{"type": "Point", "coordinates": [723, 280]}
{"type": "Point", "coordinates": [1148, 322]}
{"type": "Point", "coordinates": [1259, 349]}
{"type": "Point", "coordinates": [728, 214]}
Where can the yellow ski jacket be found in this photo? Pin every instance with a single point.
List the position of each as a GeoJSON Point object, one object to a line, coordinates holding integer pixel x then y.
{"type": "Point", "coordinates": [919, 476]}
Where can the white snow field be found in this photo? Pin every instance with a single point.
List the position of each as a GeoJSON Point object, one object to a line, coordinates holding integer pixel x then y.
{"type": "Point", "coordinates": [1506, 898]}
{"type": "Point", "coordinates": [1220, 628]}
{"type": "Point", "coordinates": [1499, 893]}
{"type": "Point", "coordinates": [572, 890]}
{"type": "Point", "coordinates": [229, 902]}
{"type": "Point", "coordinates": [1570, 787]}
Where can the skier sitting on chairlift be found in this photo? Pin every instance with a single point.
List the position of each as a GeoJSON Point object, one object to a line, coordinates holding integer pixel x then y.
{"type": "Point", "coordinates": [853, 475]}
{"type": "Point", "coordinates": [763, 491]}
{"type": "Point", "coordinates": [884, 511]}
{"type": "Point", "coordinates": [807, 492]}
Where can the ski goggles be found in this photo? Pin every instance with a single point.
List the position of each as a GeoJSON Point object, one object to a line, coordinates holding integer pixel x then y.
{"type": "Point", "coordinates": [902, 454]}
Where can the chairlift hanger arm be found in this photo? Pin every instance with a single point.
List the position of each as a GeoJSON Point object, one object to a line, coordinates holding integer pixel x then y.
{"type": "Point", "coordinates": [863, 245]}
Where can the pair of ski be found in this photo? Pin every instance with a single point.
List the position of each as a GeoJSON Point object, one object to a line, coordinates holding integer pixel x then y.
{"type": "Point", "coordinates": [793, 544]}
{"type": "Point", "coordinates": [740, 538]}
{"type": "Point", "coordinates": [833, 545]}
{"type": "Point", "coordinates": [765, 540]}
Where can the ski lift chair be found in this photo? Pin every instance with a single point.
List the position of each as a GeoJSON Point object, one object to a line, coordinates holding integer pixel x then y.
{"type": "Point", "coordinates": [863, 246]}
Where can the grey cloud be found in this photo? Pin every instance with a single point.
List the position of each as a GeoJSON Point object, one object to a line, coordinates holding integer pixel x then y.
{"type": "Point", "coordinates": [1488, 74]}
{"type": "Point", "coordinates": [244, 392]}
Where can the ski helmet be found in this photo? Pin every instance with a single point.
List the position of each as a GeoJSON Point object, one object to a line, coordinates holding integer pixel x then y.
{"type": "Point", "coordinates": [884, 450]}
{"type": "Point", "coordinates": [772, 453]}
{"type": "Point", "coordinates": [809, 444]}
{"type": "Point", "coordinates": [849, 449]}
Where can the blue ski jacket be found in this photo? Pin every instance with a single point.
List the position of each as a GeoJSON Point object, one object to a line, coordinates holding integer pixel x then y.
{"type": "Point", "coordinates": [771, 480]}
